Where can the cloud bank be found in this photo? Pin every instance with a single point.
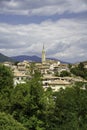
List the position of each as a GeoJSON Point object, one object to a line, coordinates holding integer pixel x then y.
{"type": "Point", "coordinates": [61, 27]}
{"type": "Point", "coordinates": [65, 39]}
{"type": "Point", "coordinates": [39, 7]}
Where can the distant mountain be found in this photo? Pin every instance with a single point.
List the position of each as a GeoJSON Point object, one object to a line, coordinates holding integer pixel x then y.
{"type": "Point", "coordinates": [33, 58]}
{"type": "Point", "coordinates": [21, 58]}
{"type": "Point", "coordinates": [4, 58]}
{"type": "Point", "coordinates": [28, 58]}
{"type": "Point", "coordinates": [85, 62]}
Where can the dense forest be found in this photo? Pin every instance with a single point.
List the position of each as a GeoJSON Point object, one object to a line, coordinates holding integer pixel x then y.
{"type": "Point", "coordinates": [29, 107]}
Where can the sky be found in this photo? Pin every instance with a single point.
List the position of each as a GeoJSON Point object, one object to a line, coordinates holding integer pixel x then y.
{"type": "Point", "coordinates": [61, 25]}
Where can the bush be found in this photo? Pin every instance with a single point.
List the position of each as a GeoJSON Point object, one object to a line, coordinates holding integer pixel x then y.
{"type": "Point", "coordinates": [65, 73]}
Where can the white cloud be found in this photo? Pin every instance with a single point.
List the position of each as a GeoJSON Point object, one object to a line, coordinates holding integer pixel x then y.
{"type": "Point", "coordinates": [39, 7]}
{"type": "Point", "coordinates": [64, 39]}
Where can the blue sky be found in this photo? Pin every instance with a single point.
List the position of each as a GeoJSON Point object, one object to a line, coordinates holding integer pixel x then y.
{"type": "Point", "coordinates": [61, 25]}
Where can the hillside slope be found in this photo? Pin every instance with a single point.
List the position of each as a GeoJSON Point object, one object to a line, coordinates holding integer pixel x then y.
{"type": "Point", "coordinates": [4, 58]}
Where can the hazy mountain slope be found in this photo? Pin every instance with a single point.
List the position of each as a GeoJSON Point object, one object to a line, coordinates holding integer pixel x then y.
{"type": "Point", "coordinates": [4, 58]}
{"type": "Point", "coordinates": [33, 58]}
{"type": "Point", "coordinates": [28, 58]}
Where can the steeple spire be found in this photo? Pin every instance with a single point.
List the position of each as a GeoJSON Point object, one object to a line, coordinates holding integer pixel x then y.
{"type": "Point", "coordinates": [43, 55]}
{"type": "Point", "coordinates": [43, 46]}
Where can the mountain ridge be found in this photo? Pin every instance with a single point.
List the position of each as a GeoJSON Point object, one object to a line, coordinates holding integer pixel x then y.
{"type": "Point", "coordinates": [21, 58]}
{"type": "Point", "coordinates": [32, 58]}
{"type": "Point", "coordinates": [4, 58]}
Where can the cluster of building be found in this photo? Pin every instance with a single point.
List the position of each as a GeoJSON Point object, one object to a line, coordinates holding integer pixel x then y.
{"type": "Point", "coordinates": [48, 68]}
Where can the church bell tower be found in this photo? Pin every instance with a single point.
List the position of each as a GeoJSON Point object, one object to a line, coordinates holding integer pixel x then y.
{"type": "Point", "coordinates": [43, 56]}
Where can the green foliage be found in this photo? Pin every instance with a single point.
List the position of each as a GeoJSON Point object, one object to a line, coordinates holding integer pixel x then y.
{"type": "Point", "coordinates": [80, 71]}
{"type": "Point", "coordinates": [8, 123]}
{"type": "Point", "coordinates": [57, 73]}
{"type": "Point", "coordinates": [6, 86]}
{"type": "Point", "coordinates": [65, 73]}
{"type": "Point", "coordinates": [5, 100]}
{"type": "Point", "coordinates": [27, 102]}
{"type": "Point", "coordinates": [48, 108]}
{"type": "Point", "coordinates": [33, 123]}
{"type": "Point", "coordinates": [6, 77]}
{"type": "Point", "coordinates": [32, 68]}
{"type": "Point", "coordinates": [70, 66]}
{"type": "Point", "coordinates": [70, 111]}
{"type": "Point", "coordinates": [81, 66]}
{"type": "Point", "coordinates": [37, 109]}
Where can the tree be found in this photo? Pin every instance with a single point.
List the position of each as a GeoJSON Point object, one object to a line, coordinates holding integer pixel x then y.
{"type": "Point", "coordinates": [32, 68]}
{"type": "Point", "coordinates": [27, 103]}
{"type": "Point", "coordinates": [81, 66]}
{"type": "Point", "coordinates": [65, 73]}
{"type": "Point", "coordinates": [70, 112]}
{"type": "Point", "coordinates": [49, 105]}
{"type": "Point", "coordinates": [6, 87]}
{"type": "Point", "coordinates": [69, 66]}
{"type": "Point", "coordinates": [6, 77]}
{"type": "Point", "coordinates": [8, 123]}
{"type": "Point", "coordinates": [80, 71]}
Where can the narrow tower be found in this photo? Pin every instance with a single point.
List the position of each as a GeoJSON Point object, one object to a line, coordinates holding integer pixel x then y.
{"type": "Point", "coordinates": [43, 55]}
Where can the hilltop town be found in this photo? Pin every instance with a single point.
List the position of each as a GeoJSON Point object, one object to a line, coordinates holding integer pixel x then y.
{"type": "Point", "coordinates": [54, 73]}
